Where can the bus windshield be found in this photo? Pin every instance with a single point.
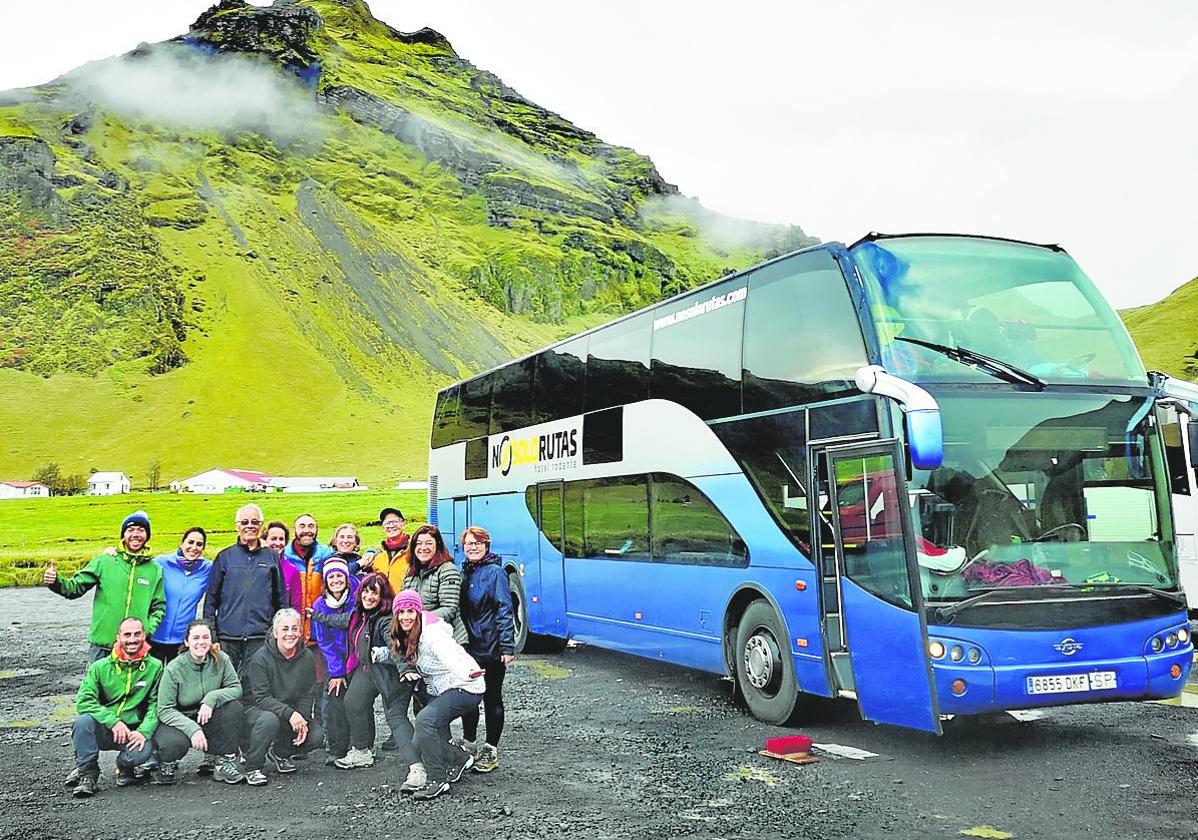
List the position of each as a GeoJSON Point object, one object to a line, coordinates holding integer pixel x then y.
{"type": "Point", "coordinates": [1043, 490]}
{"type": "Point", "coordinates": [1028, 306]}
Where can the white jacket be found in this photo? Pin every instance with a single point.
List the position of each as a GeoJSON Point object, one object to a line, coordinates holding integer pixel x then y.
{"type": "Point", "coordinates": [444, 663]}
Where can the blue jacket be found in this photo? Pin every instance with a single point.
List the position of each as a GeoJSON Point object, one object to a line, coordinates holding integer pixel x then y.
{"type": "Point", "coordinates": [184, 589]}
{"type": "Point", "coordinates": [487, 610]}
{"type": "Point", "coordinates": [245, 590]}
{"type": "Point", "coordinates": [333, 641]}
{"type": "Point", "coordinates": [321, 553]}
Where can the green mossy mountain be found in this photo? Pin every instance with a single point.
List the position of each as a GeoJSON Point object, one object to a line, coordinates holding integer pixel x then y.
{"type": "Point", "coordinates": [268, 242]}
{"type": "Point", "coordinates": [1166, 332]}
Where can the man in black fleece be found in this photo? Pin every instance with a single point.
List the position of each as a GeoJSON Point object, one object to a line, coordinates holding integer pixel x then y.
{"type": "Point", "coordinates": [245, 590]}
{"type": "Point", "coordinates": [282, 681]}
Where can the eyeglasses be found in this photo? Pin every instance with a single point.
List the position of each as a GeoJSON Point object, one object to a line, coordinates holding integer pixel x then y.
{"type": "Point", "coordinates": [244, 522]}
{"type": "Point", "coordinates": [471, 543]}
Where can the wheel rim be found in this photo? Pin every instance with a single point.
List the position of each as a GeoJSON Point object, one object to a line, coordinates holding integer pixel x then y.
{"type": "Point", "coordinates": [518, 618]}
{"type": "Point", "coordinates": [763, 662]}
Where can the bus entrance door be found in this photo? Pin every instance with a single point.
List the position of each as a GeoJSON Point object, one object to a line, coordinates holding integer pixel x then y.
{"type": "Point", "coordinates": [881, 609]}
{"type": "Point", "coordinates": [551, 609]}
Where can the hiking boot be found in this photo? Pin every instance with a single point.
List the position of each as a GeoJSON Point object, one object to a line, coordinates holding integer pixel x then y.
{"type": "Point", "coordinates": [227, 771]}
{"type": "Point", "coordinates": [126, 777]}
{"type": "Point", "coordinates": [390, 744]}
{"type": "Point", "coordinates": [86, 785]}
{"type": "Point", "coordinates": [416, 779]}
{"type": "Point", "coordinates": [208, 765]}
{"type": "Point", "coordinates": [355, 758]}
{"type": "Point", "coordinates": [163, 774]}
{"type": "Point", "coordinates": [487, 759]}
{"type": "Point", "coordinates": [256, 778]}
{"type": "Point", "coordinates": [459, 766]}
{"type": "Point", "coordinates": [282, 763]}
{"type": "Point", "coordinates": [431, 790]}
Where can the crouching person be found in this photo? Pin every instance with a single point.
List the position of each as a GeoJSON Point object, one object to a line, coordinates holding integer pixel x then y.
{"type": "Point", "coordinates": [199, 709]}
{"type": "Point", "coordinates": [282, 683]}
{"type": "Point", "coordinates": [117, 707]}
{"type": "Point", "coordinates": [422, 646]}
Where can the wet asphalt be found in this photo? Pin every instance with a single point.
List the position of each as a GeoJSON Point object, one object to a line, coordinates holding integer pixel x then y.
{"type": "Point", "coordinates": [599, 745]}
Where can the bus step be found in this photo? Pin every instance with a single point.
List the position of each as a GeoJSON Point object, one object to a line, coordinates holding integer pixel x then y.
{"type": "Point", "coordinates": [832, 633]}
{"type": "Point", "coordinates": [844, 692]}
{"type": "Point", "coordinates": [842, 668]}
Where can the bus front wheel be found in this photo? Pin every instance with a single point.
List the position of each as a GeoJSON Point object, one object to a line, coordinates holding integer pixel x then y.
{"type": "Point", "coordinates": [519, 609]}
{"type": "Point", "coordinates": [764, 669]}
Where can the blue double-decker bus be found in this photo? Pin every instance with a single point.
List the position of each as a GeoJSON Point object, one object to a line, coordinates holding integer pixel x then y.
{"type": "Point", "coordinates": [923, 472]}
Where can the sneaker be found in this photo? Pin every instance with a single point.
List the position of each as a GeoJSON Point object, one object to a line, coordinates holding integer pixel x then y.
{"type": "Point", "coordinates": [431, 790]}
{"type": "Point", "coordinates": [124, 777]}
{"type": "Point", "coordinates": [163, 774]}
{"type": "Point", "coordinates": [72, 778]}
{"type": "Point", "coordinates": [282, 763]}
{"type": "Point", "coordinates": [459, 767]}
{"type": "Point", "coordinates": [227, 771]}
{"type": "Point", "coordinates": [486, 760]}
{"type": "Point", "coordinates": [416, 779]}
{"type": "Point", "coordinates": [355, 758]}
{"type": "Point", "coordinates": [390, 745]}
{"type": "Point", "coordinates": [86, 785]}
{"type": "Point", "coordinates": [208, 765]}
{"type": "Point", "coordinates": [256, 778]}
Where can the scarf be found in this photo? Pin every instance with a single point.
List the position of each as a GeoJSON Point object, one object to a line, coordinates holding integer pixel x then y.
{"type": "Point", "coordinates": [337, 603]}
{"type": "Point", "coordinates": [118, 653]}
{"type": "Point", "coordinates": [188, 566]}
{"type": "Point", "coordinates": [300, 552]}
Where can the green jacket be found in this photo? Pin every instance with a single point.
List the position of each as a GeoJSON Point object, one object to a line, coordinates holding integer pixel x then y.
{"type": "Point", "coordinates": [116, 690]}
{"type": "Point", "coordinates": [186, 686]}
{"type": "Point", "coordinates": [126, 585]}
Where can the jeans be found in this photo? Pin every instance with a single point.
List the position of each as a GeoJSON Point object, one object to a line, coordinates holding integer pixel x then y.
{"type": "Point", "coordinates": [239, 652]}
{"type": "Point", "coordinates": [431, 737]}
{"type": "Point", "coordinates": [266, 731]}
{"type": "Point", "coordinates": [89, 736]}
{"type": "Point", "coordinates": [366, 684]}
{"type": "Point", "coordinates": [493, 673]}
{"type": "Point", "coordinates": [224, 731]}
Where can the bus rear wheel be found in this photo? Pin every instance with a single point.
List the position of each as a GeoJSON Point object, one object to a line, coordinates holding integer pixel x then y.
{"type": "Point", "coordinates": [519, 609]}
{"type": "Point", "coordinates": [764, 669]}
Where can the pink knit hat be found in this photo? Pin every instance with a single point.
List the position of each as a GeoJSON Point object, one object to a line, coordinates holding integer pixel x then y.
{"type": "Point", "coordinates": [409, 599]}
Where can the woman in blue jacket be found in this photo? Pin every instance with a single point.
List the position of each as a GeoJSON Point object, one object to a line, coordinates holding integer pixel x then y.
{"type": "Point", "coordinates": [185, 578]}
{"type": "Point", "coordinates": [491, 628]}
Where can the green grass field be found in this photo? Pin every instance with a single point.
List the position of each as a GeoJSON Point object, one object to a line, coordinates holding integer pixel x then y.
{"type": "Point", "coordinates": [72, 529]}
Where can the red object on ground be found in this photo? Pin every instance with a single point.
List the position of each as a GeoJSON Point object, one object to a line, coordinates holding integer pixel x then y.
{"type": "Point", "coordinates": [788, 744]}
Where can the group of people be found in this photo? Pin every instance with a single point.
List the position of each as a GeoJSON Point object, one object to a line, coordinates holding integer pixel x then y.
{"type": "Point", "coordinates": [281, 645]}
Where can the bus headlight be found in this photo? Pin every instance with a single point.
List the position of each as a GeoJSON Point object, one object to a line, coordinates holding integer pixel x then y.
{"type": "Point", "coordinates": [1183, 635]}
{"type": "Point", "coordinates": [974, 656]}
{"type": "Point", "coordinates": [956, 653]}
{"type": "Point", "coordinates": [936, 650]}
{"type": "Point", "coordinates": [1171, 640]}
{"type": "Point", "coordinates": [1157, 644]}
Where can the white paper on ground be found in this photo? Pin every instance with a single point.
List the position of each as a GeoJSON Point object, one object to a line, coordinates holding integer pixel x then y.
{"type": "Point", "coordinates": [845, 752]}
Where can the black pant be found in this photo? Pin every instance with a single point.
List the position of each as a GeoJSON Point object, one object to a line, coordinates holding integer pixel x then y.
{"type": "Point", "coordinates": [336, 721]}
{"type": "Point", "coordinates": [224, 731]}
{"type": "Point", "coordinates": [365, 684]}
{"type": "Point", "coordinates": [89, 736]}
{"type": "Point", "coordinates": [493, 673]}
{"type": "Point", "coordinates": [239, 652]}
{"type": "Point", "coordinates": [266, 731]}
{"type": "Point", "coordinates": [164, 652]}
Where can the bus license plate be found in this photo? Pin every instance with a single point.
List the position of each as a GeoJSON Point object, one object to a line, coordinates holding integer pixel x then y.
{"type": "Point", "coordinates": [1066, 683]}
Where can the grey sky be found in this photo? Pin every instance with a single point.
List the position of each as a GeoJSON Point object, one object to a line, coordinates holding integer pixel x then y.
{"type": "Point", "coordinates": [1070, 122]}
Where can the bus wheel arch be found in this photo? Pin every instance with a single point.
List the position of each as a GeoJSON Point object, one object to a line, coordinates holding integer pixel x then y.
{"type": "Point", "coordinates": [763, 667]}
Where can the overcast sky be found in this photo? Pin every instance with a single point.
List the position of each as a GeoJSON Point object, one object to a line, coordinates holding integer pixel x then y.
{"type": "Point", "coordinates": [1074, 121]}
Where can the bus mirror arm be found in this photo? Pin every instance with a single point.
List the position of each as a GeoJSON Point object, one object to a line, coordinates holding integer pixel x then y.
{"type": "Point", "coordinates": [925, 435]}
{"type": "Point", "coordinates": [1184, 396]}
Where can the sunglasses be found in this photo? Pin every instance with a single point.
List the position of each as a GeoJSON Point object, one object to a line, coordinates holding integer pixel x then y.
{"type": "Point", "coordinates": [244, 522]}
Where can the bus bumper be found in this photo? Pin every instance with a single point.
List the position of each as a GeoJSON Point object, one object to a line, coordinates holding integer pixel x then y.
{"type": "Point", "coordinates": [964, 689]}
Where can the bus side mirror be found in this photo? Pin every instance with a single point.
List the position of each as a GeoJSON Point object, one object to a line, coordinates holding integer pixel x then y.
{"type": "Point", "coordinates": [925, 439]}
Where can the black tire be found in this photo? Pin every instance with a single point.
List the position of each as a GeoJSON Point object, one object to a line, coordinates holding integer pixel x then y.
{"type": "Point", "coordinates": [765, 672]}
{"type": "Point", "coordinates": [519, 609]}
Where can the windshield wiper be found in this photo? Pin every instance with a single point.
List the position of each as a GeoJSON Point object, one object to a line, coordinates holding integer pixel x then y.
{"type": "Point", "coordinates": [1175, 597]}
{"type": "Point", "coordinates": [945, 613]}
{"type": "Point", "coordinates": [987, 364]}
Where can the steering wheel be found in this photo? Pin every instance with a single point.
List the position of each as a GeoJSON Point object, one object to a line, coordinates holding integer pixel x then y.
{"type": "Point", "coordinates": [1079, 535]}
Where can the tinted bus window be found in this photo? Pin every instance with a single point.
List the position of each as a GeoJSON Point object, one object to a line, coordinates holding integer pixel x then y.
{"type": "Point", "coordinates": [696, 350]}
{"type": "Point", "coordinates": [445, 417]}
{"type": "Point", "coordinates": [511, 397]}
{"type": "Point", "coordinates": [802, 338]}
{"type": "Point", "coordinates": [618, 364]}
{"type": "Point", "coordinates": [687, 527]}
{"type": "Point", "coordinates": [476, 458]}
{"type": "Point", "coordinates": [854, 417]}
{"type": "Point", "coordinates": [603, 436]}
{"type": "Point", "coordinates": [476, 408]}
{"type": "Point", "coordinates": [558, 381]}
{"type": "Point", "coordinates": [772, 451]}
{"type": "Point", "coordinates": [616, 518]}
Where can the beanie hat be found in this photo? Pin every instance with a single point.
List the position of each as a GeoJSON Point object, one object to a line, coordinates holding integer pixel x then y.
{"type": "Point", "coordinates": [335, 564]}
{"type": "Point", "coordinates": [138, 517]}
{"type": "Point", "coordinates": [409, 599]}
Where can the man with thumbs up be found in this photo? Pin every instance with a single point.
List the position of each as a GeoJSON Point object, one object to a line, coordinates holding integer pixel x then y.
{"type": "Point", "coordinates": [127, 583]}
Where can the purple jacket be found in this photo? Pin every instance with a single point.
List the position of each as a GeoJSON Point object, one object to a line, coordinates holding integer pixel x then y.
{"type": "Point", "coordinates": [333, 641]}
